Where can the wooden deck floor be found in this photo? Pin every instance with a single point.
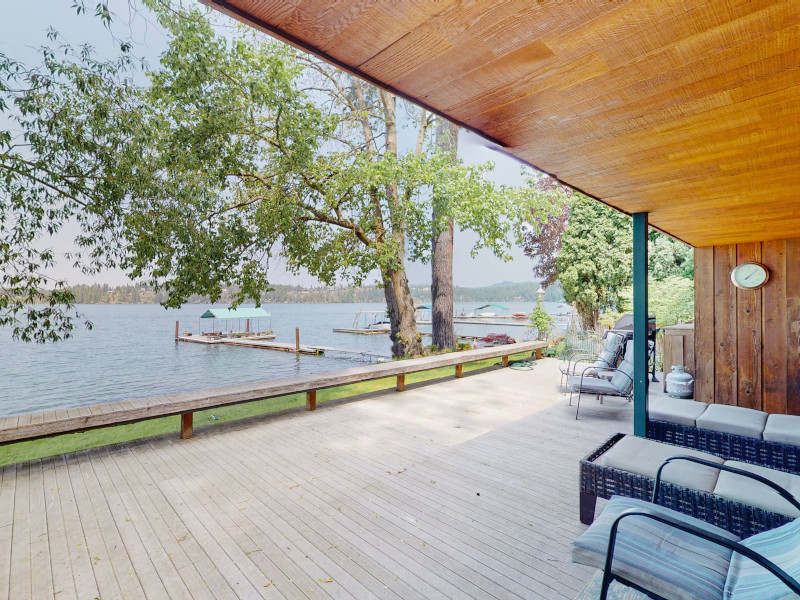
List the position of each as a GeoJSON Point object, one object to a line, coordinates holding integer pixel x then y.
{"type": "Point", "coordinates": [461, 489]}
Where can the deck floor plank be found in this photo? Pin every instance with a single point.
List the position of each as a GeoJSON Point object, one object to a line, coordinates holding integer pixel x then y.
{"type": "Point", "coordinates": [465, 488]}
{"type": "Point", "coordinates": [7, 496]}
{"type": "Point", "coordinates": [56, 534]}
{"type": "Point", "coordinates": [41, 571]}
{"type": "Point", "coordinates": [20, 577]}
{"type": "Point", "coordinates": [397, 492]}
{"type": "Point", "coordinates": [188, 556]}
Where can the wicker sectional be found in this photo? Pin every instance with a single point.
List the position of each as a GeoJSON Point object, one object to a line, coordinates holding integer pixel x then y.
{"type": "Point", "coordinates": [775, 455]}
{"type": "Point", "coordinates": [597, 480]}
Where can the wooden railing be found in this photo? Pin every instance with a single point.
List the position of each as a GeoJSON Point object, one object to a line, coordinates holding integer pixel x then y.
{"type": "Point", "coordinates": [74, 420]}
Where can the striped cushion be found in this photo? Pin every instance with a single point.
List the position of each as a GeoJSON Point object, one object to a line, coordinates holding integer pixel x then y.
{"type": "Point", "coordinates": [659, 558]}
{"type": "Point", "coordinates": [747, 581]}
{"type": "Point", "coordinates": [623, 377]}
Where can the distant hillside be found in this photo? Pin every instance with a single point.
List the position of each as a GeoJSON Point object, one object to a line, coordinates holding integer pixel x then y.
{"type": "Point", "coordinates": [287, 294]}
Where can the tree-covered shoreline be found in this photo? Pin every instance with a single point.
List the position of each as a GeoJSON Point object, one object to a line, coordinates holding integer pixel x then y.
{"type": "Point", "coordinates": [291, 294]}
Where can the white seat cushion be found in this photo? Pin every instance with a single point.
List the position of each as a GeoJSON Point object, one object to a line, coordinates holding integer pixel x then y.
{"type": "Point", "coordinates": [748, 491]}
{"type": "Point", "coordinates": [783, 428]}
{"type": "Point", "coordinates": [675, 410]}
{"type": "Point", "coordinates": [733, 419]}
{"type": "Point", "coordinates": [643, 457]}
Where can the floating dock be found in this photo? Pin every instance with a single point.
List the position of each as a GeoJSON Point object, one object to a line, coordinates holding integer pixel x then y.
{"type": "Point", "coordinates": [268, 343]}
{"type": "Point", "coordinates": [263, 342]}
{"type": "Point", "coordinates": [360, 331]}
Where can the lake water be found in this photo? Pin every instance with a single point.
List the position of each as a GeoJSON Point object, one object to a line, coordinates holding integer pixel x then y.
{"type": "Point", "coordinates": [131, 353]}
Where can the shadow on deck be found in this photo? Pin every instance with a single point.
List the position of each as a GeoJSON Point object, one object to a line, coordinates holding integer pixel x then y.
{"type": "Point", "coordinates": [464, 489]}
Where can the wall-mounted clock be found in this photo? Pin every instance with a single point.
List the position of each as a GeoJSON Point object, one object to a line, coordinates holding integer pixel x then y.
{"type": "Point", "coordinates": [749, 275]}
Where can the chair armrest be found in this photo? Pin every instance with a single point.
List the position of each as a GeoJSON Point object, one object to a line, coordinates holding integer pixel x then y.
{"type": "Point", "coordinates": [785, 494]}
{"type": "Point", "coordinates": [670, 521]}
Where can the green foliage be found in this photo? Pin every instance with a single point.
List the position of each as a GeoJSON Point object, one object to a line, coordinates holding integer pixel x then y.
{"type": "Point", "coordinates": [67, 157]}
{"type": "Point", "coordinates": [238, 150]}
{"type": "Point", "coordinates": [671, 299]}
{"type": "Point", "coordinates": [668, 257]}
{"type": "Point", "coordinates": [595, 261]}
{"type": "Point", "coordinates": [540, 320]}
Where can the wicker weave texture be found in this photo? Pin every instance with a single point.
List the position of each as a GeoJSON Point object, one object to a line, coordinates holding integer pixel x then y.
{"type": "Point", "coordinates": [741, 519]}
{"type": "Point", "coordinates": [783, 457]}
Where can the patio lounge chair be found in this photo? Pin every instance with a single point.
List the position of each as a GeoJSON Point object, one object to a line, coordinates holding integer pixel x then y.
{"type": "Point", "coordinates": [619, 384]}
{"type": "Point", "coordinates": [576, 359]}
{"type": "Point", "coordinates": [668, 555]}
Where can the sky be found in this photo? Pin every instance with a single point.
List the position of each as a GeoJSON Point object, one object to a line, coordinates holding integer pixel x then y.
{"type": "Point", "coordinates": [23, 29]}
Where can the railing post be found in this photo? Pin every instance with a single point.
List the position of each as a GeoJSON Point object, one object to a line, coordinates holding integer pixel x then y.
{"type": "Point", "coordinates": [401, 383]}
{"type": "Point", "coordinates": [640, 324]}
{"type": "Point", "coordinates": [187, 425]}
{"type": "Point", "coordinates": [311, 400]}
{"type": "Point", "coordinates": [459, 371]}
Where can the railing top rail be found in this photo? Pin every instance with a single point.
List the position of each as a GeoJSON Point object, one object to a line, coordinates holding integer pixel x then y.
{"type": "Point", "coordinates": [44, 424]}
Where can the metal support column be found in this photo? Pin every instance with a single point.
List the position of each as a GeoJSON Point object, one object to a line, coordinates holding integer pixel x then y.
{"type": "Point", "coordinates": [640, 314]}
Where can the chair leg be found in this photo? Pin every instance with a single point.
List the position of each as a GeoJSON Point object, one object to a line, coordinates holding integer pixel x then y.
{"type": "Point", "coordinates": [588, 502]}
{"type": "Point", "coordinates": [578, 409]}
{"type": "Point", "coordinates": [570, 395]}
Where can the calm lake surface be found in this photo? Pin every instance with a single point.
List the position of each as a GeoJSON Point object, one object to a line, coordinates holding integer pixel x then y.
{"type": "Point", "coordinates": [131, 353]}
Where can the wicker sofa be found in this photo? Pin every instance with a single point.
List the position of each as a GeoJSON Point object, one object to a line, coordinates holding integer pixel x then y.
{"type": "Point", "coordinates": [627, 466]}
{"type": "Point", "coordinates": [733, 433]}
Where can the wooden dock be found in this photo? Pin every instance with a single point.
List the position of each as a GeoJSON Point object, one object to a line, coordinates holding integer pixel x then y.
{"type": "Point", "coordinates": [252, 342]}
{"type": "Point", "coordinates": [360, 331]}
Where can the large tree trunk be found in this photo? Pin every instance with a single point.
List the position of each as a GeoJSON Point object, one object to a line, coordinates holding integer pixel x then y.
{"type": "Point", "coordinates": [404, 334]}
{"type": "Point", "coordinates": [442, 325]}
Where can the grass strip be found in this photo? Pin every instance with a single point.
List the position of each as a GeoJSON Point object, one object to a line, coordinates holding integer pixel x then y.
{"type": "Point", "coordinates": [72, 442]}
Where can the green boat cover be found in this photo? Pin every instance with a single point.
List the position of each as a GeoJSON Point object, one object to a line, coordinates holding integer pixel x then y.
{"type": "Point", "coordinates": [234, 313]}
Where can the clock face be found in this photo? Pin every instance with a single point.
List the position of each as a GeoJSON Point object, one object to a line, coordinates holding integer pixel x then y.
{"type": "Point", "coordinates": [749, 275]}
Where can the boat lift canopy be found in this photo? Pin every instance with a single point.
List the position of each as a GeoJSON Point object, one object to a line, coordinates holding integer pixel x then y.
{"type": "Point", "coordinates": [235, 313]}
{"type": "Point", "coordinates": [499, 306]}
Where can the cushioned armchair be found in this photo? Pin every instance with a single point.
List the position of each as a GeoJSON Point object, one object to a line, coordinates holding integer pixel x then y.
{"type": "Point", "coordinates": [669, 555]}
{"type": "Point", "coordinates": [620, 382]}
{"type": "Point", "coordinates": [576, 361]}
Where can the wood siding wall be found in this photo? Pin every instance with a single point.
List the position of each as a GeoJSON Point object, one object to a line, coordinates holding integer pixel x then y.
{"type": "Point", "coordinates": [747, 343]}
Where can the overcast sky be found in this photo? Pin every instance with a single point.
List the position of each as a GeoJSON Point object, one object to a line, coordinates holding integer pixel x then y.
{"type": "Point", "coordinates": [22, 30]}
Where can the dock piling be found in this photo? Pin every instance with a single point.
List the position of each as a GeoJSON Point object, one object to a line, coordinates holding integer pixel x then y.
{"type": "Point", "coordinates": [297, 340]}
{"type": "Point", "coordinates": [176, 330]}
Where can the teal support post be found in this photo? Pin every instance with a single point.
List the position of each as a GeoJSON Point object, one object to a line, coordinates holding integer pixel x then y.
{"type": "Point", "coordinates": [640, 313]}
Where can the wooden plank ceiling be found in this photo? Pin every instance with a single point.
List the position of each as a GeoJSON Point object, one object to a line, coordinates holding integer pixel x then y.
{"type": "Point", "coordinates": [689, 110]}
